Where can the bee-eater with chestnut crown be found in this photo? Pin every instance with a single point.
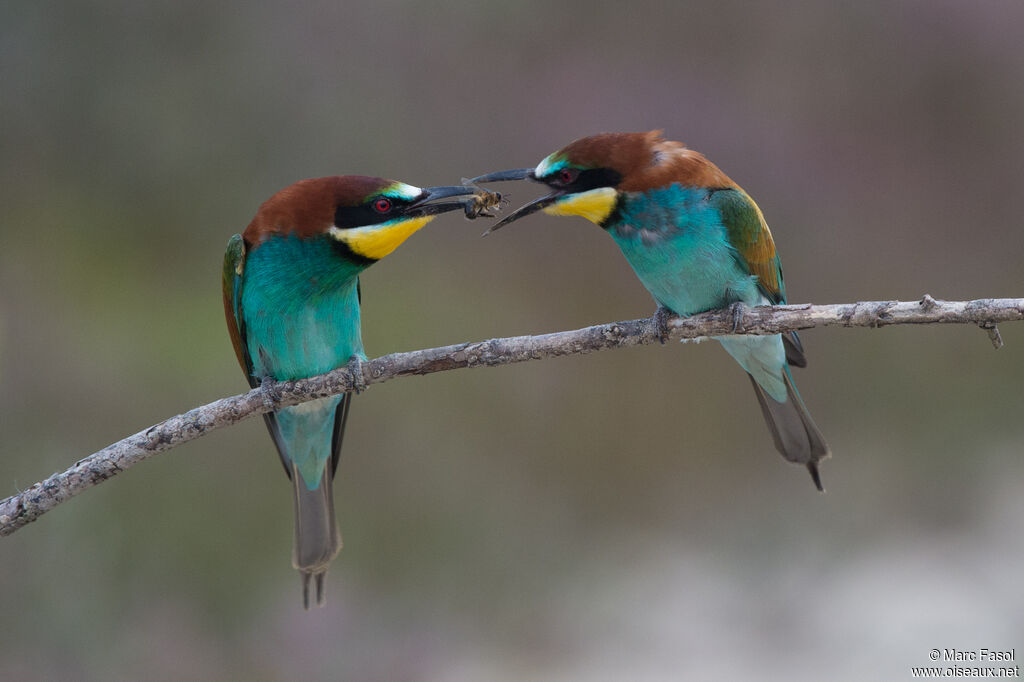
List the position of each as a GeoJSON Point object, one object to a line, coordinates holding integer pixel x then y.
{"type": "Point", "coordinates": [697, 241]}
{"type": "Point", "coordinates": [291, 297]}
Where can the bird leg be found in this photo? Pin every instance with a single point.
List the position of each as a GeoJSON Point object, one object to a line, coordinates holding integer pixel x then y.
{"type": "Point", "coordinates": [737, 309]}
{"type": "Point", "coordinates": [660, 321]}
{"type": "Point", "coordinates": [271, 391]}
{"type": "Point", "coordinates": [355, 367]}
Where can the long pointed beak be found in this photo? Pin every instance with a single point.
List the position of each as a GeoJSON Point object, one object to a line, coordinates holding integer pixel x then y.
{"type": "Point", "coordinates": [422, 207]}
{"type": "Point", "coordinates": [537, 204]}
{"type": "Point", "coordinates": [501, 176]}
{"type": "Point", "coordinates": [443, 192]}
{"type": "Point", "coordinates": [523, 211]}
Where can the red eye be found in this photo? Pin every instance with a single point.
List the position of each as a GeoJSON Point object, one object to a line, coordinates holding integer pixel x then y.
{"type": "Point", "coordinates": [567, 176]}
{"type": "Point", "coordinates": [382, 205]}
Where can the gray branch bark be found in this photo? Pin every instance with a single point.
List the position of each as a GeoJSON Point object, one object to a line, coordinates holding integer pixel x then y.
{"type": "Point", "coordinates": [28, 505]}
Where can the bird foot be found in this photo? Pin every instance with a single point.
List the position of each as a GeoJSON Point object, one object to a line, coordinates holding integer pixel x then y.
{"type": "Point", "coordinates": [355, 366]}
{"type": "Point", "coordinates": [737, 309]}
{"type": "Point", "coordinates": [271, 390]}
{"type": "Point", "coordinates": [660, 322]}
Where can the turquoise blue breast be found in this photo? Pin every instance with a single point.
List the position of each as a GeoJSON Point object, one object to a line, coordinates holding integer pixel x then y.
{"type": "Point", "coordinates": [300, 306]}
{"type": "Point", "coordinates": [301, 310]}
{"type": "Point", "coordinates": [675, 241]}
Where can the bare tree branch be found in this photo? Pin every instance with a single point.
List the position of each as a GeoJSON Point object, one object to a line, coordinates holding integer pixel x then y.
{"type": "Point", "coordinates": [27, 506]}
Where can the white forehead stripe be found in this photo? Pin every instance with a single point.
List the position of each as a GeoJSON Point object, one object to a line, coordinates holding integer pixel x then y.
{"type": "Point", "coordinates": [549, 164]}
{"type": "Point", "coordinates": [403, 191]}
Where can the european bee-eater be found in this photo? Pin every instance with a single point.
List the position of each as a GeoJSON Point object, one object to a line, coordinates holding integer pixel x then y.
{"type": "Point", "coordinates": [697, 242]}
{"type": "Point", "coordinates": [291, 297]}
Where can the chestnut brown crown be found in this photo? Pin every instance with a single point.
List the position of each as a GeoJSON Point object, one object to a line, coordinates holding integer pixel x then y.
{"type": "Point", "coordinates": [636, 162]}
{"type": "Point", "coordinates": [308, 207]}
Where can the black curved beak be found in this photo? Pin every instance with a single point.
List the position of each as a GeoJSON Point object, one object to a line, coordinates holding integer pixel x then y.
{"type": "Point", "coordinates": [523, 211]}
{"type": "Point", "coordinates": [501, 176]}
{"type": "Point", "coordinates": [422, 207]}
{"type": "Point", "coordinates": [538, 204]}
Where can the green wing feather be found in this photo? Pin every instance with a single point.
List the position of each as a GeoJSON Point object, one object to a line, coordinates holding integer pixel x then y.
{"type": "Point", "coordinates": [749, 235]}
{"type": "Point", "coordinates": [231, 285]}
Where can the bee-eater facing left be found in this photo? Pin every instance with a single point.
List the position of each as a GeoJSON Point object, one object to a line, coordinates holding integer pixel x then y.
{"type": "Point", "coordinates": [696, 241]}
{"type": "Point", "coordinates": [291, 298]}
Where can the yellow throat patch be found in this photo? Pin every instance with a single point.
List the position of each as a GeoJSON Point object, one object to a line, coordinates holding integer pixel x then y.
{"type": "Point", "coordinates": [595, 205]}
{"type": "Point", "coordinates": [377, 241]}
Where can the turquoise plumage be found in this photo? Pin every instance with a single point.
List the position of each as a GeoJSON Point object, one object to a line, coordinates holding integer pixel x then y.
{"type": "Point", "coordinates": [697, 242]}
{"type": "Point", "coordinates": [315, 328]}
{"type": "Point", "coordinates": [291, 298]}
{"type": "Point", "coordinates": [683, 255]}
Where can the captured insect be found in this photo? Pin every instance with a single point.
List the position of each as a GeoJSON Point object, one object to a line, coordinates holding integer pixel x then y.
{"type": "Point", "coordinates": [482, 202]}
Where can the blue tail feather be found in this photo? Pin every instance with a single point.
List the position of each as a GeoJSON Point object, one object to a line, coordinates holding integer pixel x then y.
{"type": "Point", "coordinates": [794, 432]}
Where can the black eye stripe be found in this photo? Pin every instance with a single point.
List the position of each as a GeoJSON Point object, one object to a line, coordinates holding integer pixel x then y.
{"type": "Point", "coordinates": [346, 217]}
{"type": "Point", "coordinates": [588, 178]}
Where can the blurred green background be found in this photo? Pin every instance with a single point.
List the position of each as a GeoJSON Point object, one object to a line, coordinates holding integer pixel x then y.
{"type": "Point", "coordinates": [606, 517]}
